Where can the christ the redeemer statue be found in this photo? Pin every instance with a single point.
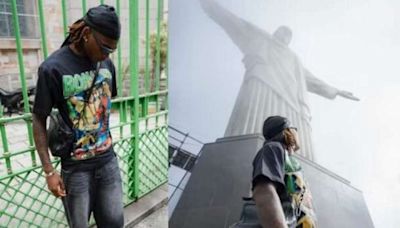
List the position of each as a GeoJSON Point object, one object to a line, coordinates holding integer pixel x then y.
{"type": "Point", "coordinates": [275, 82]}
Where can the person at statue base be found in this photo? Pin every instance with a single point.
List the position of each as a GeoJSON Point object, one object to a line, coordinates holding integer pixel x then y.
{"type": "Point", "coordinates": [280, 193]}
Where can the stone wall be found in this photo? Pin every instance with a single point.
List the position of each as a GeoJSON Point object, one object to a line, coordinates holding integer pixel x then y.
{"type": "Point", "coordinates": [9, 68]}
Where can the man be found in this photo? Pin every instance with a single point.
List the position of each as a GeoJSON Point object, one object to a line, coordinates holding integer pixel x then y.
{"type": "Point", "coordinates": [277, 205]}
{"type": "Point", "coordinates": [275, 81]}
{"type": "Point", "coordinates": [90, 178]}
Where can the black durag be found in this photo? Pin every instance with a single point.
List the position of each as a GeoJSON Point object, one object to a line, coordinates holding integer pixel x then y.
{"type": "Point", "coordinates": [103, 19]}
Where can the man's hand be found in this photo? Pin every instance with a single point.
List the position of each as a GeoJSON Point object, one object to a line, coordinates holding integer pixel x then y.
{"type": "Point", "coordinates": [54, 182]}
{"type": "Point", "coordinates": [56, 185]}
{"type": "Point", "coordinates": [348, 95]}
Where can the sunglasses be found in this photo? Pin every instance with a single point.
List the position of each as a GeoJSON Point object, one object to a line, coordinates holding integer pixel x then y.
{"type": "Point", "coordinates": [104, 48]}
{"type": "Point", "coordinates": [294, 128]}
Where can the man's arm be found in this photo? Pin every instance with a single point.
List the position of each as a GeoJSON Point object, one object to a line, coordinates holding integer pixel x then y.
{"type": "Point", "coordinates": [269, 207]}
{"type": "Point", "coordinates": [321, 88]}
{"type": "Point", "coordinates": [54, 181]}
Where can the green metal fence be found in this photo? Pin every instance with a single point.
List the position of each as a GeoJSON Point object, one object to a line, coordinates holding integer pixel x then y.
{"type": "Point", "coordinates": [138, 124]}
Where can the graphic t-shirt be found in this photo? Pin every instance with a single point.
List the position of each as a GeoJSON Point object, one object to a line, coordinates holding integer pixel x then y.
{"type": "Point", "coordinates": [63, 82]}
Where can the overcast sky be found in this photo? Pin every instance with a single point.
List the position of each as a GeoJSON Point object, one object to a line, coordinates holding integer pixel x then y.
{"type": "Point", "coordinates": [353, 45]}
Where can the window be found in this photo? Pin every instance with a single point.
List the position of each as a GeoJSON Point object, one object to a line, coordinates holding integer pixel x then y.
{"type": "Point", "coordinates": [27, 16]}
{"type": "Point", "coordinates": [182, 159]}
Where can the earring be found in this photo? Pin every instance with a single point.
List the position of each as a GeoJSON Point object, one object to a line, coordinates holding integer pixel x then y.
{"type": "Point", "coordinates": [85, 40]}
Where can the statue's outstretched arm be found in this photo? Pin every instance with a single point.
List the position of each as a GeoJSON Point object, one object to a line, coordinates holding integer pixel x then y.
{"type": "Point", "coordinates": [321, 88]}
{"type": "Point", "coordinates": [242, 33]}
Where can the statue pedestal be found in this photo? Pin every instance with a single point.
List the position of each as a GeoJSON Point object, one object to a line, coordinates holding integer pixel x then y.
{"type": "Point", "coordinates": [222, 176]}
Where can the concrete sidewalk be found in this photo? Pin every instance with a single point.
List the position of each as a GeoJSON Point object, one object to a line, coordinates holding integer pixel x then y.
{"type": "Point", "coordinates": [158, 219]}
{"type": "Point", "coordinates": [149, 211]}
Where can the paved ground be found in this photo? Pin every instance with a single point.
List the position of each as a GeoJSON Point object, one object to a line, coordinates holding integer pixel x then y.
{"type": "Point", "coordinates": [149, 211]}
{"type": "Point", "coordinates": [158, 219]}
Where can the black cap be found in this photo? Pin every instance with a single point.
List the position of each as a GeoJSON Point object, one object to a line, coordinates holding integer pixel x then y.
{"type": "Point", "coordinates": [274, 125]}
{"type": "Point", "coordinates": [104, 20]}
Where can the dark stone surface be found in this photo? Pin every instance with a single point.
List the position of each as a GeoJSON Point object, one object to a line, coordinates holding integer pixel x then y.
{"type": "Point", "coordinates": [212, 197]}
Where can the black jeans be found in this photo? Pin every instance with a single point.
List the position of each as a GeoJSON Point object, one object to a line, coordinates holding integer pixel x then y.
{"type": "Point", "coordinates": [98, 191]}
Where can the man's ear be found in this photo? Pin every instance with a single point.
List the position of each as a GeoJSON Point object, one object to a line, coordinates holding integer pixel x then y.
{"type": "Point", "coordinates": [85, 33]}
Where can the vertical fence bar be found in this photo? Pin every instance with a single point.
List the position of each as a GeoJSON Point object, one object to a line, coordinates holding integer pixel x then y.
{"type": "Point", "coordinates": [6, 152]}
{"type": "Point", "coordinates": [158, 56]}
{"type": "Point", "coordinates": [17, 34]}
{"type": "Point", "coordinates": [84, 7]}
{"type": "Point", "coordinates": [133, 60]}
{"type": "Point", "coordinates": [147, 49]}
{"type": "Point", "coordinates": [119, 56]}
{"type": "Point", "coordinates": [158, 50]}
{"type": "Point", "coordinates": [42, 29]}
{"type": "Point", "coordinates": [167, 60]}
{"type": "Point", "coordinates": [166, 82]}
{"type": "Point", "coordinates": [45, 53]}
{"type": "Point", "coordinates": [120, 85]}
{"type": "Point", "coordinates": [145, 107]}
{"type": "Point", "coordinates": [64, 15]}
{"type": "Point", "coordinates": [3, 134]}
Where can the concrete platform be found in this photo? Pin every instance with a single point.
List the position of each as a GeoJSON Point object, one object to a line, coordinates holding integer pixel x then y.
{"type": "Point", "coordinates": [149, 211]}
{"type": "Point", "coordinates": [158, 219]}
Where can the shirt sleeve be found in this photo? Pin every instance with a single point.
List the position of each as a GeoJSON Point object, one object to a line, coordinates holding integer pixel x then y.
{"type": "Point", "coordinates": [44, 97]}
{"type": "Point", "coordinates": [268, 165]}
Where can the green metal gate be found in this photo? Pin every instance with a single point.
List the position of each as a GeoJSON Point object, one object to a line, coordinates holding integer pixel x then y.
{"type": "Point", "coordinates": [138, 126]}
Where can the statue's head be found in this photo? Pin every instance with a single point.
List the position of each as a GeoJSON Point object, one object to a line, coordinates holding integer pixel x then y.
{"type": "Point", "coordinates": [283, 34]}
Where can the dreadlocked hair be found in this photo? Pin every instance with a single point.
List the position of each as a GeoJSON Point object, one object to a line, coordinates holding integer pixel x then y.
{"type": "Point", "coordinates": [290, 140]}
{"type": "Point", "coordinates": [286, 137]}
{"type": "Point", "coordinates": [75, 35]}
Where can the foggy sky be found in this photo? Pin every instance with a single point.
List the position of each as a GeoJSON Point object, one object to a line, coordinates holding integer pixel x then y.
{"type": "Point", "coordinates": [353, 45]}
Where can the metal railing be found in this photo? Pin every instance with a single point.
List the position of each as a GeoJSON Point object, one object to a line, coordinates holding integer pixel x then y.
{"type": "Point", "coordinates": [182, 143]}
{"type": "Point", "coordinates": [139, 130]}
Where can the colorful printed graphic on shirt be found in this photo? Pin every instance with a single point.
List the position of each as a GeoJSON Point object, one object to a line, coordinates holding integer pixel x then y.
{"type": "Point", "coordinates": [90, 117]}
{"type": "Point", "coordinates": [300, 195]}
